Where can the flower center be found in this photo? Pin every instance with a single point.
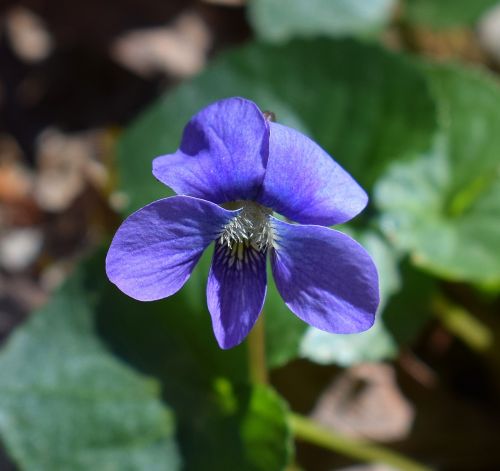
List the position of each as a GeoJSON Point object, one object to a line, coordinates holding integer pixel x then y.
{"type": "Point", "coordinates": [251, 227]}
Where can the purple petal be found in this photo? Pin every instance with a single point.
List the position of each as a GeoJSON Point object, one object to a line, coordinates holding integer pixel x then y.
{"type": "Point", "coordinates": [156, 248]}
{"type": "Point", "coordinates": [236, 291]}
{"type": "Point", "coordinates": [223, 153]}
{"type": "Point", "coordinates": [305, 184]}
{"type": "Point", "coordinates": [325, 278]}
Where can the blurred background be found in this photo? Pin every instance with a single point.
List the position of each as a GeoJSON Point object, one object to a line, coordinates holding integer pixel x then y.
{"type": "Point", "coordinates": [404, 94]}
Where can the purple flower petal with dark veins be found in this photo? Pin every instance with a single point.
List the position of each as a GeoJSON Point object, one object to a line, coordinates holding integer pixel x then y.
{"type": "Point", "coordinates": [230, 154]}
{"type": "Point", "coordinates": [223, 153]}
{"type": "Point", "coordinates": [236, 284]}
{"type": "Point", "coordinates": [325, 277]}
{"type": "Point", "coordinates": [156, 248]}
{"type": "Point", "coordinates": [305, 184]}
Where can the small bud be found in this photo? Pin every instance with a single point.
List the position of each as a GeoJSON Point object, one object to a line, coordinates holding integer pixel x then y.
{"type": "Point", "coordinates": [269, 116]}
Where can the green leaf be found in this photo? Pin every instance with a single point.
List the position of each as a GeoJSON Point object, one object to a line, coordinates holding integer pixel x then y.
{"type": "Point", "coordinates": [446, 13]}
{"type": "Point", "coordinates": [278, 20]}
{"type": "Point", "coordinates": [66, 403]}
{"type": "Point", "coordinates": [236, 427]}
{"type": "Point", "coordinates": [444, 207]}
{"type": "Point", "coordinates": [375, 344]}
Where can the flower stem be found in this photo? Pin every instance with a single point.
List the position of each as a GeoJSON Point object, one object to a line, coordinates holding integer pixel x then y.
{"type": "Point", "coordinates": [463, 324]}
{"type": "Point", "coordinates": [257, 353]}
{"type": "Point", "coordinates": [312, 432]}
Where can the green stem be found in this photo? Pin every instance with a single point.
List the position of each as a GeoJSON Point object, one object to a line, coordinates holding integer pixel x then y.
{"type": "Point", "coordinates": [463, 324]}
{"type": "Point", "coordinates": [312, 432]}
{"type": "Point", "coordinates": [257, 353]}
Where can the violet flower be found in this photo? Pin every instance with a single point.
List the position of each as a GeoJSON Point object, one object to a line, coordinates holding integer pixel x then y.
{"type": "Point", "coordinates": [233, 170]}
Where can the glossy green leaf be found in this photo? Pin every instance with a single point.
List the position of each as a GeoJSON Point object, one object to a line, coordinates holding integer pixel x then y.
{"type": "Point", "coordinates": [278, 20]}
{"type": "Point", "coordinates": [446, 13]}
{"type": "Point", "coordinates": [444, 207]}
{"type": "Point", "coordinates": [66, 403]}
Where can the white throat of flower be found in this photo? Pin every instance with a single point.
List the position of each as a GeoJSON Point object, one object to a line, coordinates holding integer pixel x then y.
{"type": "Point", "coordinates": [250, 228]}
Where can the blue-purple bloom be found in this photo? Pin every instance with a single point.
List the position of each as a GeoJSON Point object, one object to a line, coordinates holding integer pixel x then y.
{"type": "Point", "coordinates": [233, 170]}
